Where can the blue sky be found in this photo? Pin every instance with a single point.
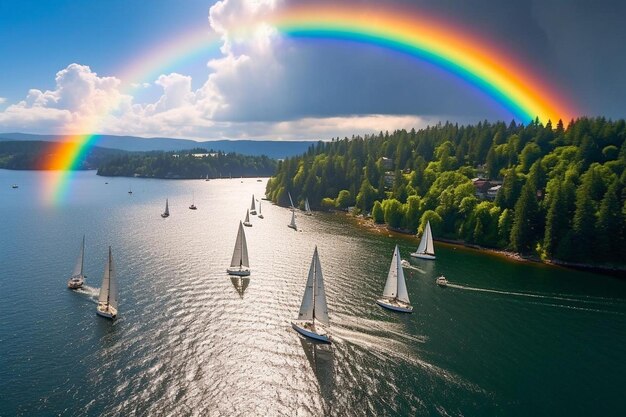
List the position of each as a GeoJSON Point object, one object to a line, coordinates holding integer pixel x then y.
{"type": "Point", "coordinates": [62, 61]}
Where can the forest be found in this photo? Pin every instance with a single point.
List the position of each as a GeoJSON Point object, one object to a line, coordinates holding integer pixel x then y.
{"type": "Point", "coordinates": [194, 163]}
{"type": "Point", "coordinates": [552, 192]}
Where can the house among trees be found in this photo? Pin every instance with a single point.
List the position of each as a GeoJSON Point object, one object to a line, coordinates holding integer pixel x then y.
{"type": "Point", "coordinates": [493, 192]}
{"type": "Point", "coordinates": [481, 186]}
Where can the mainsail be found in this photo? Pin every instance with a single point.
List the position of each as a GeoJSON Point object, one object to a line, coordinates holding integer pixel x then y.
{"type": "Point", "coordinates": [240, 254]}
{"type": "Point", "coordinates": [247, 217]}
{"type": "Point", "coordinates": [293, 220]}
{"type": "Point", "coordinates": [290, 200]}
{"type": "Point", "coordinates": [391, 286]}
{"type": "Point", "coordinates": [395, 287]}
{"type": "Point", "coordinates": [108, 291]}
{"type": "Point", "coordinates": [426, 244]}
{"type": "Point", "coordinates": [167, 208]}
{"type": "Point", "coordinates": [307, 208]}
{"type": "Point", "coordinates": [314, 301]}
{"type": "Point", "coordinates": [252, 206]}
{"type": "Point", "coordinates": [78, 268]}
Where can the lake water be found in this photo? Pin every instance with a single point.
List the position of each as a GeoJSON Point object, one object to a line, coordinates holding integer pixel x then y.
{"type": "Point", "coordinates": [504, 339]}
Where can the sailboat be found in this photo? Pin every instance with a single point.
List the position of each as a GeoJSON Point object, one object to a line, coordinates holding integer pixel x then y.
{"type": "Point", "coordinates": [252, 207]}
{"type": "Point", "coordinates": [239, 264]}
{"type": "Point", "coordinates": [425, 250]}
{"type": "Point", "coordinates": [130, 191]}
{"type": "Point", "coordinates": [307, 208]}
{"type": "Point", "coordinates": [260, 214]}
{"type": "Point", "coordinates": [77, 278]}
{"type": "Point", "coordinates": [313, 316]}
{"type": "Point", "coordinates": [246, 222]}
{"type": "Point", "coordinates": [193, 206]}
{"type": "Point", "coordinates": [207, 177]}
{"type": "Point", "coordinates": [107, 301]}
{"type": "Point", "coordinates": [166, 213]}
{"type": "Point", "coordinates": [290, 201]}
{"type": "Point", "coordinates": [293, 221]}
{"type": "Point", "coordinates": [395, 295]}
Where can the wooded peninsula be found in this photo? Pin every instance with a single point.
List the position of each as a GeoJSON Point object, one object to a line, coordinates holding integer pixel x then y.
{"type": "Point", "coordinates": [557, 193]}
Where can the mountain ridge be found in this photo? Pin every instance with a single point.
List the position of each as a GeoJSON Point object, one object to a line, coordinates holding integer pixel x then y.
{"type": "Point", "coordinates": [272, 149]}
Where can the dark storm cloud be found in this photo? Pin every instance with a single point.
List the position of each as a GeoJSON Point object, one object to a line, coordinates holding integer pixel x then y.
{"type": "Point", "coordinates": [578, 46]}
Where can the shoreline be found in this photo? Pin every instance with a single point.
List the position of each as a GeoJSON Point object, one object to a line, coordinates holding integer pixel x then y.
{"type": "Point", "coordinates": [368, 224]}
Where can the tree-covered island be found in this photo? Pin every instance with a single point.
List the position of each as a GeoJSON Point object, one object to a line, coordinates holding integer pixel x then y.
{"type": "Point", "coordinates": [554, 192]}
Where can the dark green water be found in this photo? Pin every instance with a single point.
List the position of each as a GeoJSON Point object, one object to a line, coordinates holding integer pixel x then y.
{"type": "Point", "coordinates": [504, 339]}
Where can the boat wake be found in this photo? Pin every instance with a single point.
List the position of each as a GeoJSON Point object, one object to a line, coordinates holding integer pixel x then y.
{"type": "Point", "coordinates": [91, 292]}
{"type": "Point", "coordinates": [387, 349]}
{"type": "Point", "coordinates": [588, 300]}
{"type": "Point", "coordinates": [414, 268]}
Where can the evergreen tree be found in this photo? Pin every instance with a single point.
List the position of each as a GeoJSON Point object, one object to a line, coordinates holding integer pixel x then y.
{"type": "Point", "coordinates": [524, 230]}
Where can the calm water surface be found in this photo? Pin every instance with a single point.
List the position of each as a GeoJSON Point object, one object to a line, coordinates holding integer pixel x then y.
{"type": "Point", "coordinates": [504, 339]}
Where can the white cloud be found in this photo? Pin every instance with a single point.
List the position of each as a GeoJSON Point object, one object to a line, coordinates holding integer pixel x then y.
{"type": "Point", "coordinates": [2, 100]}
{"type": "Point", "coordinates": [77, 103]}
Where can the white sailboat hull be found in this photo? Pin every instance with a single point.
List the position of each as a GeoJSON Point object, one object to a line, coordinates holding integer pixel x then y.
{"type": "Point", "coordinates": [394, 305]}
{"type": "Point", "coordinates": [423, 256]}
{"type": "Point", "coordinates": [106, 311]}
{"type": "Point", "coordinates": [239, 272]}
{"type": "Point", "coordinates": [299, 326]}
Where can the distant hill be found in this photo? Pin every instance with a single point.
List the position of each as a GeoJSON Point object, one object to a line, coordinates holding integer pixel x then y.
{"type": "Point", "coordinates": [272, 149]}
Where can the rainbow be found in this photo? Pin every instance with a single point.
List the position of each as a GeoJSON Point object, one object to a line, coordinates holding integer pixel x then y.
{"type": "Point", "coordinates": [456, 50]}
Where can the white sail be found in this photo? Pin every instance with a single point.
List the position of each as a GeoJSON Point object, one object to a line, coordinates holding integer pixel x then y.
{"type": "Point", "coordinates": [321, 310]}
{"type": "Point", "coordinates": [306, 308]}
{"type": "Point", "coordinates": [313, 305]}
{"type": "Point", "coordinates": [167, 208]}
{"type": "Point", "coordinates": [307, 208]}
{"type": "Point", "coordinates": [391, 286]}
{"type": "Point", "coordinates": [259, 208]}
{"type": "Point", "coordinates": [240, 253]}
{"type": "Point", "coordinates": [106, 282]}
{"type": "Point", "coordinates": [430, 249]}
{"type": "Point", "coordinates": [112, 282]}
{"type": "Point", "coordinates": [290, 200]}
{"type": "Point", "coordinates": [293, 220]}
{"type": "Point", "coordinates": [252, 206]}
{"type": "Point", "coordinates": [402, 293]}
{"type": "Point", "coordinates": [244, 249]}
{"type": "Point", "coordinates": [78, 268]}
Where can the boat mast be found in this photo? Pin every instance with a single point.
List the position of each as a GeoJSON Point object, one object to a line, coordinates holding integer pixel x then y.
{"type": "Point", "coordinates": [314, 282]}
{"type": "Point", "coordinates": [109, 287]}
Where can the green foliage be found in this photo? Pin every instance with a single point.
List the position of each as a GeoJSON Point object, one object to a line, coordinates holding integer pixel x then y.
{"type": "Point", "coordinates": [344, 199]}
{"type": "Point", "coordinates": [393, 213]}
{"type": "Point", "coordinates": [327, 203]}
{"type": "Point", "coordinates": [188, 165]}
{"type": "Point", "coordinates": [561, 186]}
{"type": "Point", "coordinates": [378, 213]}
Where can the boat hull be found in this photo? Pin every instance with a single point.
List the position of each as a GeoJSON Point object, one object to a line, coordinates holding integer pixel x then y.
{"type": "Point", "coordinates": [238, 272]}
{"type": "Point", "coordinates": [253, 212]}
{"type": "Point", "coordinates": [260, 216]}
{"type": "Point", "coordinates": [394, 307]}
{"type": "Point", "coordinates": [310, 334]}
{"type": "Point", "coordinates": [74, 284]}
{"type": "Point", "coordinates": [108, 313]}
{"type": "Point", "coordinates": [423, 256]}
{"type": "Point", "coordinates": [442, 282]}
{"type": "Point", "coordinates": [247, 224]}
{"type": "Point", "coordinates": [165, 216]}
{"type": "Point", "coordinates": [292, 227]}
